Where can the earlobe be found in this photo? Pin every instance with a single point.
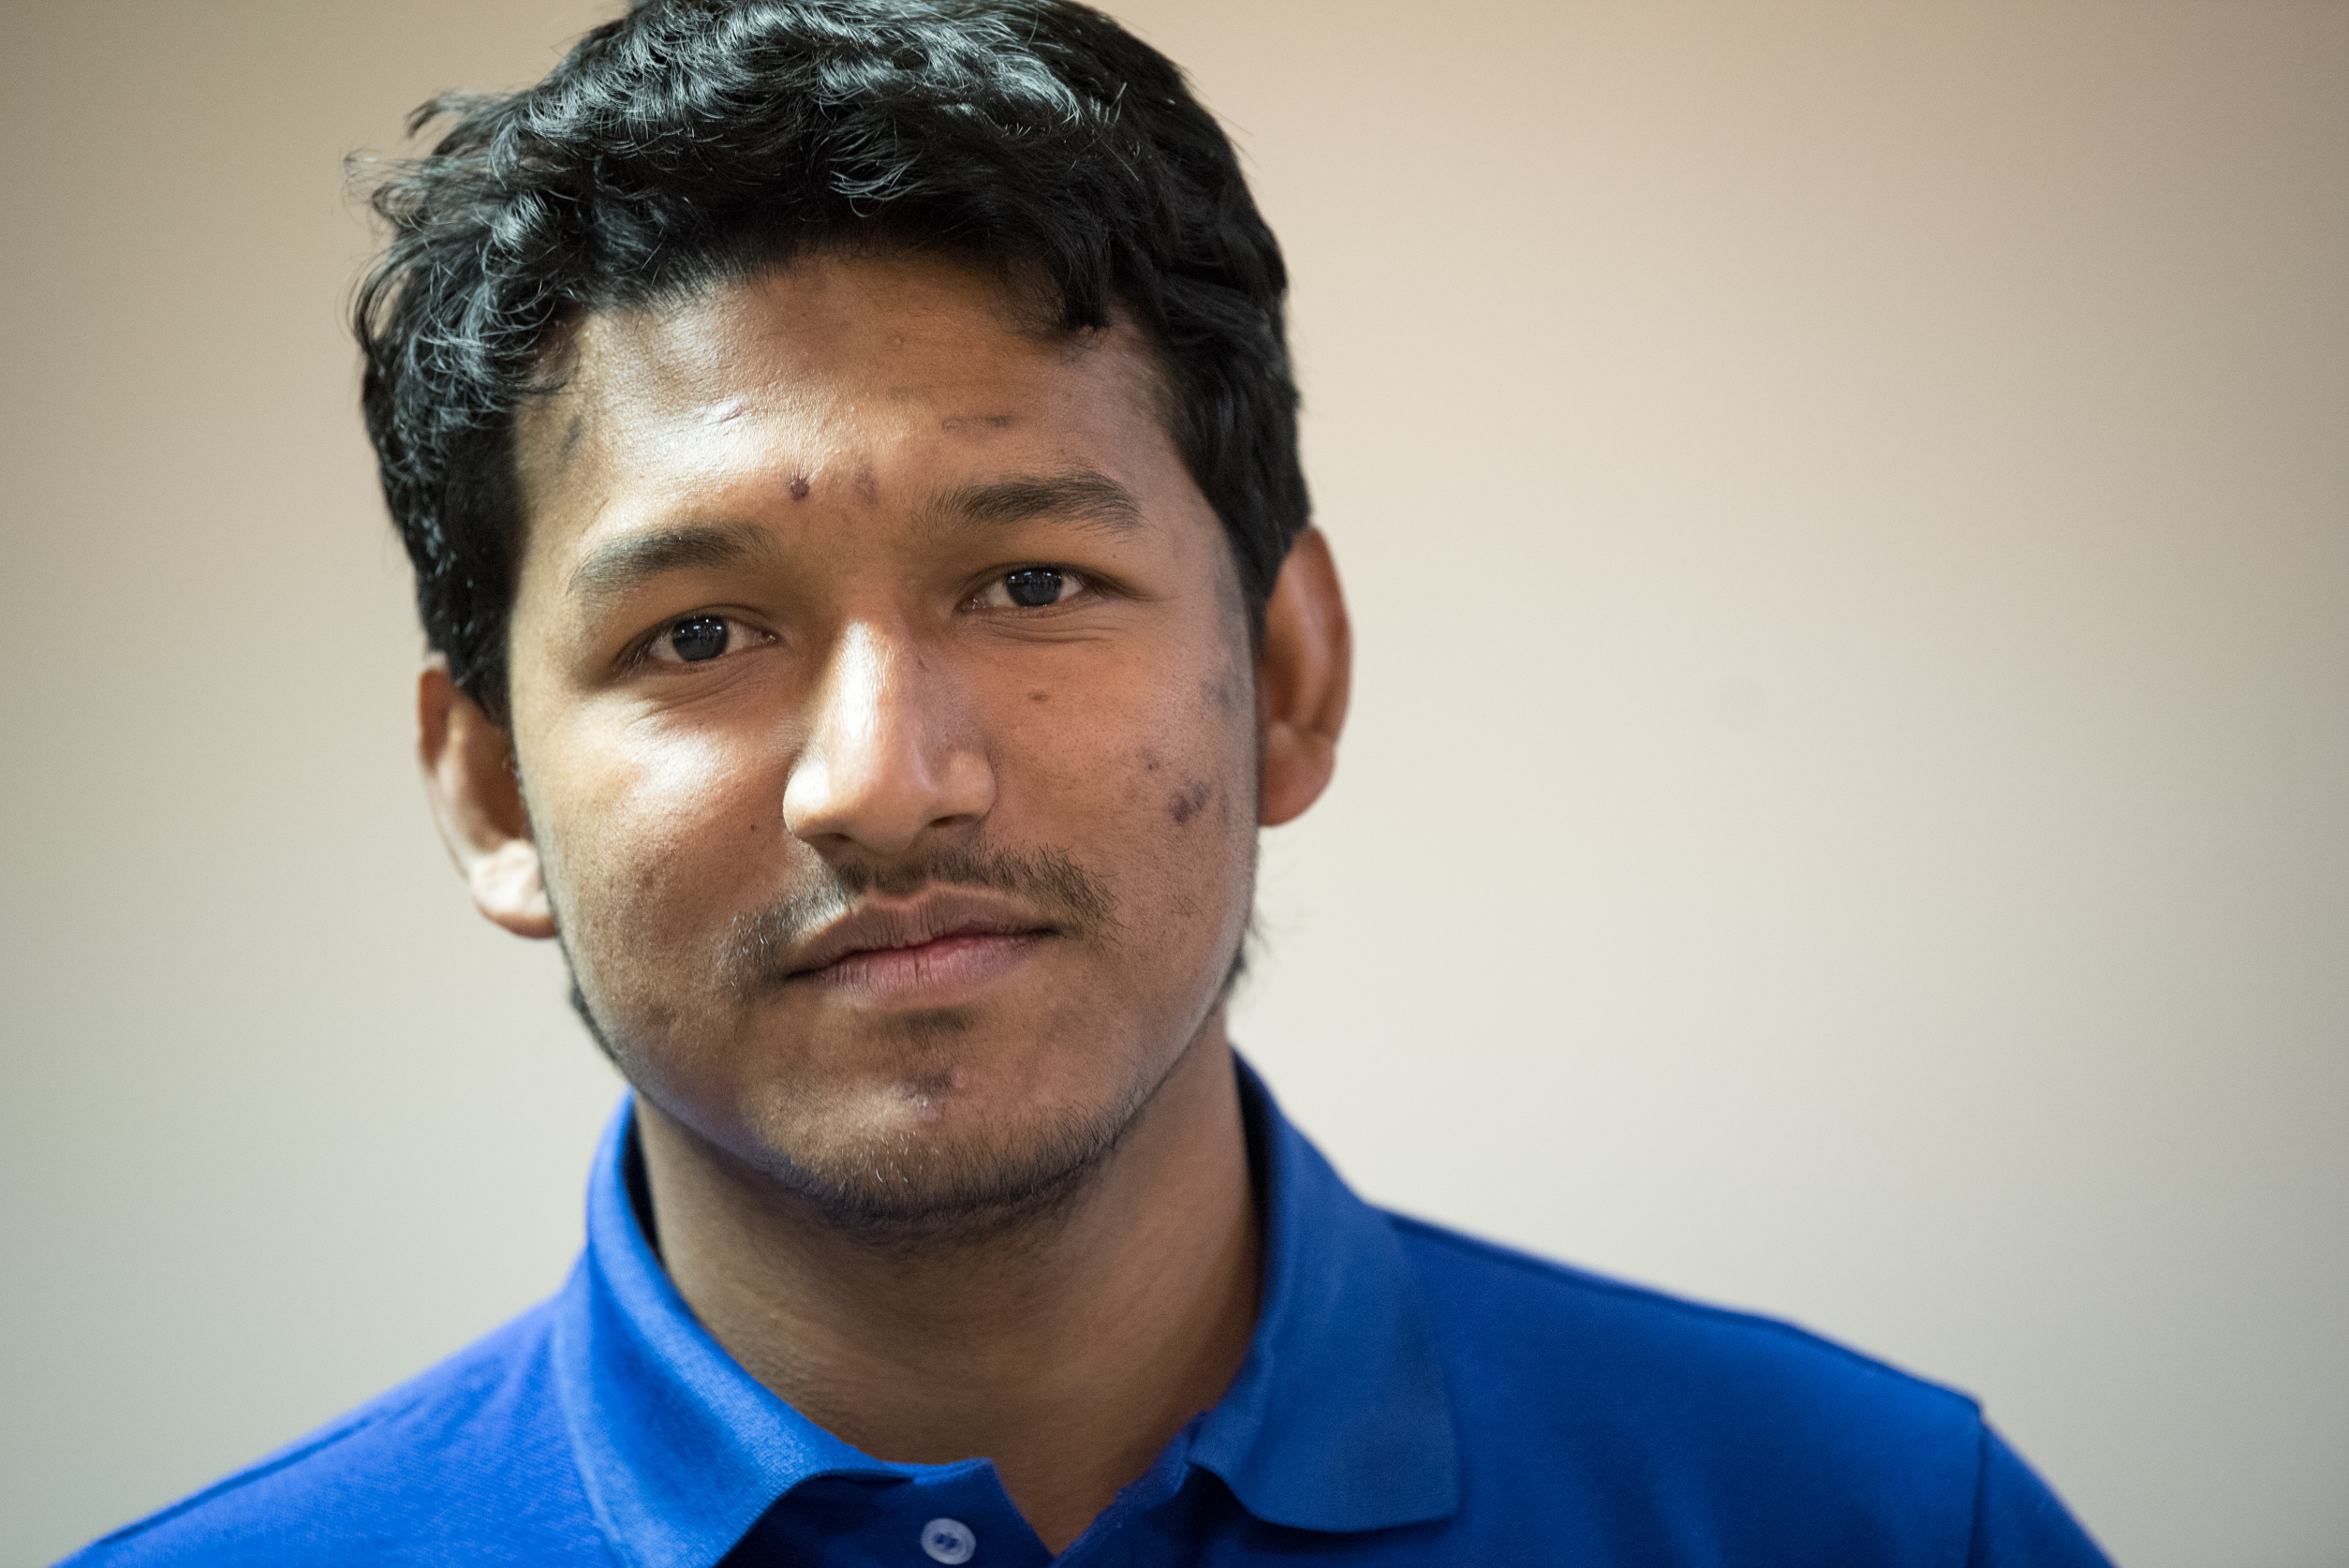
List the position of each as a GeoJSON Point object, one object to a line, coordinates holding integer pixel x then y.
{"type": "Point", "coordinates": [476, 796]}
{"type": "Point", "coordinates": [1304, 673]}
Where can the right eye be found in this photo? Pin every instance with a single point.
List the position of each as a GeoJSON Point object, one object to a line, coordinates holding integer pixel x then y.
{"type": "Point", "coordinates": [1030, 589]}
{"type": "Point", "coordinates": [698, 639]}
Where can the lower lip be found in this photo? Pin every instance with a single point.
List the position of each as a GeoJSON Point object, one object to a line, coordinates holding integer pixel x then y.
{"type": "Point", "coordinates": [937, 972]}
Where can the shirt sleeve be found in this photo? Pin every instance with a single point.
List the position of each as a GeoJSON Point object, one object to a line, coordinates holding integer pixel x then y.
{"type": "Point", "coordinates": [2018, 1522]}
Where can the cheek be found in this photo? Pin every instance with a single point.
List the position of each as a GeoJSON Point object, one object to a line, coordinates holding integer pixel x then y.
{"type": "Point", "coordinates": [1149, 779]}
{"type": "Point", "coordinates": [653, 835]}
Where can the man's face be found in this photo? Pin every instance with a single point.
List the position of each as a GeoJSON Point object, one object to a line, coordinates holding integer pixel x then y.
{"type": "Point", "coordinates": [882, 699]}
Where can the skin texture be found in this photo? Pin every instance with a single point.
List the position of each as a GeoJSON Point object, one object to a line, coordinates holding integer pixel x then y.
{"type": "Point", "coordinates": [908, 915]}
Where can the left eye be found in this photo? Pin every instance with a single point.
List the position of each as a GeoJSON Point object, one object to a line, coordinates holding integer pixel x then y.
{"type": "Point", "coordinates": [698, 639]}
{"type": "Point", "coordinates": [1030, 589]}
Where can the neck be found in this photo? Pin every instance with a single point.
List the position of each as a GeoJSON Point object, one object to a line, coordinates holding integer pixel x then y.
{"type": "Point", "coordinates": [1068, 1349]}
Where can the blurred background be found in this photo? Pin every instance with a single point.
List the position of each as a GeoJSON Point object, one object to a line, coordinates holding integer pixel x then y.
{"type": "Point", "coordinates": [1847, 812]}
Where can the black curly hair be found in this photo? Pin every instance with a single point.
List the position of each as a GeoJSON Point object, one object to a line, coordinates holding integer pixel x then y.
{"type": "Point", "coordinates": [692, 142]}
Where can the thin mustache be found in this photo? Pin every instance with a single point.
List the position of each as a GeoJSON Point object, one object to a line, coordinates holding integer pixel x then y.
{"type": "Point", "coordinates": [1057, 889]}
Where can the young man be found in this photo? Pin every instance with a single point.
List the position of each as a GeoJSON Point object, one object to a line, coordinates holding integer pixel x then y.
{"type": "Point", "coordinates": [848, 452]}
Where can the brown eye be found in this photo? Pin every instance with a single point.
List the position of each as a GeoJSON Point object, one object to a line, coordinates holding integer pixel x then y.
{"type": "Point", "coordinates": [698, 639]}
{"type": "Point", "coordinates": [1032, 587]}
{"type": "Point", "coordinates": [702, 637]}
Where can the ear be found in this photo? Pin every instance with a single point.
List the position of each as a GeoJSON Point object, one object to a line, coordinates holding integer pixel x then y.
{"type": "Point", "coordinates": [475, 798]}
{"type": "Point", "coordinates": [1303, 673]}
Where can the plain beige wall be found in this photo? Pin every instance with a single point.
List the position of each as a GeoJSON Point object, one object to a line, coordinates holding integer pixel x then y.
{"type": "Point", "coordinates": [1847, 507]}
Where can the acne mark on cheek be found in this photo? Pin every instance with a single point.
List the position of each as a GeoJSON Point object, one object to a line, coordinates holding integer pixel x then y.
{"type": "Point", "coordinates": [799, 487]}
{"type": "Point", "coordinates": [868, 483]}
{"type": "Point", "coordinates": [1187, 804]}
{"type": "Point", "coordinates": [1039, 695]}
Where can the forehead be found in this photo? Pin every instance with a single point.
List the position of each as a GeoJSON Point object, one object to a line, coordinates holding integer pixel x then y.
{"type": "Point", "coordinates": [856, 361]}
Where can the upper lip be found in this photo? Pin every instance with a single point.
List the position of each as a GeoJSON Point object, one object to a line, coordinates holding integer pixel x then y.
{"type": "Point", "coordinates": [931, 917]}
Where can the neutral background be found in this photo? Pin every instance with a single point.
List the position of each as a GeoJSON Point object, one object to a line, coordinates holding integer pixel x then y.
{"type": "Point", "coordinates": [1847, 507]}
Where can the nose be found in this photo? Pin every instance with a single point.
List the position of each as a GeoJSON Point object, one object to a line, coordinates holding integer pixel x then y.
{"type": "Point", "coordinates": [892, 752]}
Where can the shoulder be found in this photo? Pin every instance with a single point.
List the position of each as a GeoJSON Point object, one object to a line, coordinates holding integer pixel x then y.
{"type": "Point", "coordinates": [469, 1461]}
{"type": "Point", "coordinates": [1499, 1302]}
{"type": "Point", "coordinates": [1690, 1417]}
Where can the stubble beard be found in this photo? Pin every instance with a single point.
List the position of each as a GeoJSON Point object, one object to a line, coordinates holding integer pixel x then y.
{"type": "Point", "coordinates": [900, 1191]}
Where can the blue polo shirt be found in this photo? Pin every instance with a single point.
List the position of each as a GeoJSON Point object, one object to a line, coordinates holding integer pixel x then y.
{"type": "Point", "coordinates": [1411, 1395]}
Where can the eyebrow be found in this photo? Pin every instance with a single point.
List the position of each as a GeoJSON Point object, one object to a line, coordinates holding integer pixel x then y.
{"type": "Point", "coordinates": [1080, 496]}
{"type": "Point", "coordinates": [615, 567]}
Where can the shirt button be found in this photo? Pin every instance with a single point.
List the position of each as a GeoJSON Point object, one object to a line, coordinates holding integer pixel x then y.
{"type": "Point", "coordinates": [949, 1541]}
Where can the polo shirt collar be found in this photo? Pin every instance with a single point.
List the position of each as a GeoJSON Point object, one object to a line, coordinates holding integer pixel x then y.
{"type": "Point", "coordinates": [1338, 1420]}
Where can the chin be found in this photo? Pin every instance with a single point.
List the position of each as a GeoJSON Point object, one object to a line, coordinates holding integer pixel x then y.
{"type": "Point", "coordinates": [948, 1147]}
{"type": "Point", "coordinates": [917, 1179]}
